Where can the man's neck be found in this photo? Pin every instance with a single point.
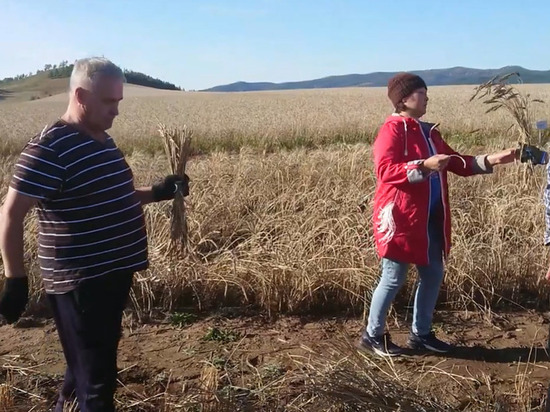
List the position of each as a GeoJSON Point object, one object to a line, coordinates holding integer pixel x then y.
{"type": "Point", "coordinates": [79, 124]}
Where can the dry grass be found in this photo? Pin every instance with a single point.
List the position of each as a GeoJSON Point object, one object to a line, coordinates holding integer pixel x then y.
{"type": "Point", "coordinates": [283, 232]}
{"type": "Point", "coordinates": [345, 379]}
{"type": "Point", "coordinates": [7, 401]}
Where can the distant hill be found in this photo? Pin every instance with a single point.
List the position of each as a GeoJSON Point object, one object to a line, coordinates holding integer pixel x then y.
{"type": "Point", "coordinates": [54, 79]}
{"type": "Point", "coordinates": [32, 87]}
{"type": "Point", "coordinates": [434, 77]}
{"type": "Point", "coordinates": [132, 77]}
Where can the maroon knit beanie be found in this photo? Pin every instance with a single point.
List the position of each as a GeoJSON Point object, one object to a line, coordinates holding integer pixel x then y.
{"type": "Point", "coordinates": [402, 85]}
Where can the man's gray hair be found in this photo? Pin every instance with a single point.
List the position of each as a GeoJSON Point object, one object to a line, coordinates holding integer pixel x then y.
{"type": "Point", "coordinates": [86, 70]}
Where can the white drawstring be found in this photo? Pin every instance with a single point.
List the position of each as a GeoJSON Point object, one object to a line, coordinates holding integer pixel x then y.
{"type": "Point", "coordinates": [405, 125]}
{"type": "Point", "coordinates": [461, 158]}
{"type": "Point", "coordinates": [452, 155]}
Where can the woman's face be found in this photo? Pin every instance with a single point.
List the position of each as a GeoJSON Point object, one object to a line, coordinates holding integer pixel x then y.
{"type": "Point", "coordinates": [417, 102]}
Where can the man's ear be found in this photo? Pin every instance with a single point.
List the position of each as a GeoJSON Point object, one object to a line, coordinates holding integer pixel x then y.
{"type": "Point", "coordinates": [81, 94]}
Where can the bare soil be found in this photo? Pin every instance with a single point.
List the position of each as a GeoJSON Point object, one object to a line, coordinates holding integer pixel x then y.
{"type": "Point", "coordinates": [501, 359]}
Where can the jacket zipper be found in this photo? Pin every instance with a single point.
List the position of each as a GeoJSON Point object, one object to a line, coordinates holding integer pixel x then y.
{"type": "Point", "coordinates": [427, 139]}
{"type": "Point", "coordinates": [442, 195]}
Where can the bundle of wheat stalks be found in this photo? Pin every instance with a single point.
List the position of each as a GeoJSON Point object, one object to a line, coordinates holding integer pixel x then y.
{"type": "Point", "coordinates": [177, 145]}
{"type": "Point", "coordinates": [499, 94]}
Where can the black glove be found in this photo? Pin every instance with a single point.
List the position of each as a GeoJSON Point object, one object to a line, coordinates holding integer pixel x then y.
{"type": "Point", "coordinates": [14, 298]}
{"type": "Point", "coordinates": [532, 154]}
{"type": "Point", "coordinates": [167, 189]}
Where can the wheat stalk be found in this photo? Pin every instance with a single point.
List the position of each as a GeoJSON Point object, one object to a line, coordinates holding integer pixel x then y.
{"type": "Point", "coordinates": [7, 402]}
{"type": "Point", "coordinates": [177, 146]}
{"type": "Point", "coordinates": [499, 94]}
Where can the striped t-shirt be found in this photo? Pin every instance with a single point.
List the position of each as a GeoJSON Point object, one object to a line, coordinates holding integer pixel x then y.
{"type": "Point", "coordinates": [91, 222]}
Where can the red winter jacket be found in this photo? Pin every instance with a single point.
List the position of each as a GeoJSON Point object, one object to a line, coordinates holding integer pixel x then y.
{"type": "Point", "coordinates": [402, 197]}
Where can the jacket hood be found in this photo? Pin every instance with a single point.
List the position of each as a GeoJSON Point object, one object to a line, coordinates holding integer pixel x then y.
{"type": "Point", "coordinates": [409, 121]}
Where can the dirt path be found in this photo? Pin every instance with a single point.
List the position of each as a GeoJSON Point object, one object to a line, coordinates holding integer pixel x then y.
{"type": "Point", "coordinates": [504, 359]}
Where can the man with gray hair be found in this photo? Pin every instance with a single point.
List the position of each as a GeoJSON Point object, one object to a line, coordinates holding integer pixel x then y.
{"type": "Point", "coordinates": [92, 234]}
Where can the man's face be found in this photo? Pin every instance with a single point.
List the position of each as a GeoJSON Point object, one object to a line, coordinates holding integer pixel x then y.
{"type": "Point", "coordinates": [417, 102]}
{"type": "Point", "coordinates": [100, 103]}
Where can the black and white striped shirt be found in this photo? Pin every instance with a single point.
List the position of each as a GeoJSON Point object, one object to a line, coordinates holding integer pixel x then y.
{"type": "Point", "coordinates": [91, 222]}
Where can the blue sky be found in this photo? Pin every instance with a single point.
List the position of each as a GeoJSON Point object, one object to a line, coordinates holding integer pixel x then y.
{"type": "Point", "coordinates": [200, 44]}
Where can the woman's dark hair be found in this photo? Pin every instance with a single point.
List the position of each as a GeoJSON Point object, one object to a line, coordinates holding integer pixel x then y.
{"type": "Point", "coordinates": [400, 107]}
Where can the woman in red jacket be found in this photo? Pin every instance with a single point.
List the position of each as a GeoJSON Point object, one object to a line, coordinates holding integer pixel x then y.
{"type": "Point", "coordinates": [412, 222]}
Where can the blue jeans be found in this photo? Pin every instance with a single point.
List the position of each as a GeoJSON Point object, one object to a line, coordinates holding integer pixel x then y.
{"type": "Point", "coordinates": [393, 277]}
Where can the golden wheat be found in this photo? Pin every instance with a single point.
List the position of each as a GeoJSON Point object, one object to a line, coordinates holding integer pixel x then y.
{"type": "Point", "coordinates": [268, 120]}
{"type": "Point", "coordinates": [177, 144]}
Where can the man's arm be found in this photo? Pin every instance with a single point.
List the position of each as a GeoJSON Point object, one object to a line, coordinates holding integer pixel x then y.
{"type": "Point", "coordinates": [38, 174]}
{"type": "Point", "coordinates": [16, 207]}
{"type": "Point", "coordinates": [14, 295]}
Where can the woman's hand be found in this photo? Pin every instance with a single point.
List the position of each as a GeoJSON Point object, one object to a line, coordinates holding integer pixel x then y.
{"type": "Point", "coordinates": [500, 158]}
{"type": "Point", "coordinates": [436, 163]}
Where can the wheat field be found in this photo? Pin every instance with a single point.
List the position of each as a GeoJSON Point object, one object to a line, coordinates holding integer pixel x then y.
{"type": "Point", "coordinates": [277, 225]}
{"type": "Point", "coordinates": [268, 120]}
